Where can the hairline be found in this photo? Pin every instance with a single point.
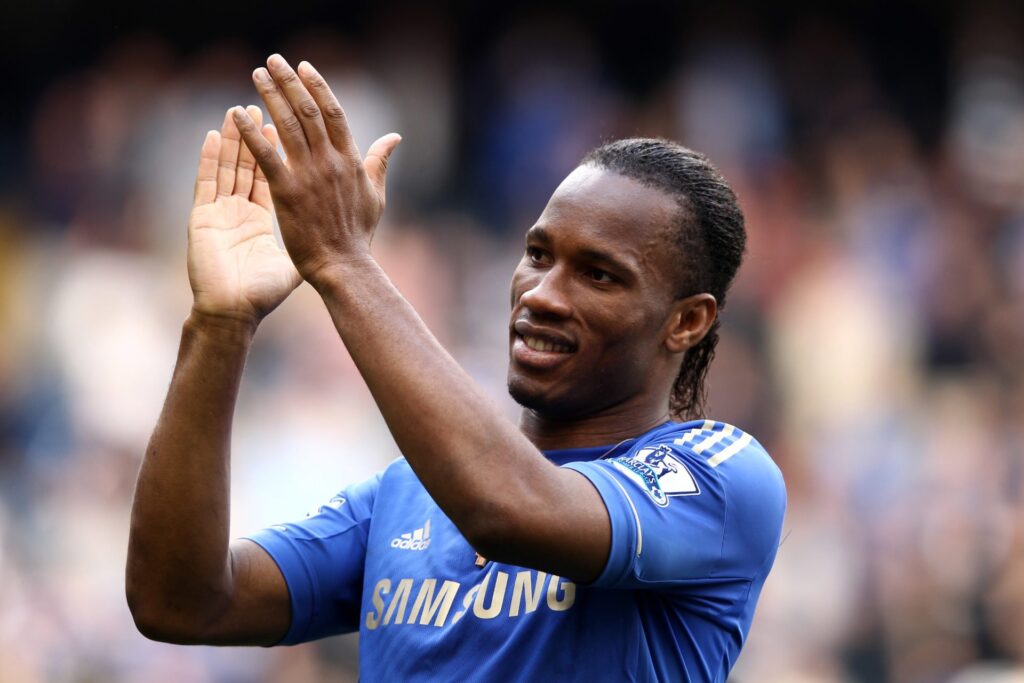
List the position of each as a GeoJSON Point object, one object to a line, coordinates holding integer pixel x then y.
{"type": "Point", "coordinates": [682, 229]}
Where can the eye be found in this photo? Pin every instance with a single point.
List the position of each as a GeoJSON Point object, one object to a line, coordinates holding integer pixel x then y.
{"type": "Point", "coordinates": [536, 255]}
{"type": "Point", "coordinates": [601, 276]}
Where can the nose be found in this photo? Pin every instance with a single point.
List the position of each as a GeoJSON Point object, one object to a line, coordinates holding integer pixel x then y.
{"type": "Point", "coordinates": [546, 296]}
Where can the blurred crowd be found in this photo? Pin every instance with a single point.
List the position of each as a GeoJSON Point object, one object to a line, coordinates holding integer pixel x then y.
{"type": "Point", "coordinates": [874, 341]}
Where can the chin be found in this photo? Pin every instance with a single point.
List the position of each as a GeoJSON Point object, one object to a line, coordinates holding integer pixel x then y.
{"type": "Point", "coordinates": [539, 401]}
{"type": "Point", "coordinates": [522, 393]}
{"type": "Point", "coordinates": [527, 394]}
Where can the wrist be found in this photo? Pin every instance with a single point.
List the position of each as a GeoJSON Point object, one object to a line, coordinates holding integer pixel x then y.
{"type": "Point", "coordinates": [223, 327]}
{"type": "Point", "coordinates": [329, 278]}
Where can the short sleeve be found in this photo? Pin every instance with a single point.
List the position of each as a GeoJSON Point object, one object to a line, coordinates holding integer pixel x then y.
{"type": "Point", "coordinates": [672, 514]}
{"type": "Point", "coordinates": [322, 559]}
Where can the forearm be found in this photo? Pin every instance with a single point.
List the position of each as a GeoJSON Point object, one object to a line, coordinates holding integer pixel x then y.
{"type": "Point", "coordinates": [486, 476]}
{"type": "Point", "coordinates": [454, 437]}
{"type": "Point", "coordinates": [178, 561]}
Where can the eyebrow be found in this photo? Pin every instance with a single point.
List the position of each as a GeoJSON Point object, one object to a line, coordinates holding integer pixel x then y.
{"type": "Point", "coordinates": [539, 233]}
{"type": "Point", "coordinates": [591, 254]}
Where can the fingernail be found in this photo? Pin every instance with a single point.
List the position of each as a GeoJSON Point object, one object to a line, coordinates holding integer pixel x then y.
{"type": "Point", "coordinates": [307, 68]}
{"type": "Point", "coordinates": [261, 74]}
{"type": "Point", "coordinates": [277, 61]}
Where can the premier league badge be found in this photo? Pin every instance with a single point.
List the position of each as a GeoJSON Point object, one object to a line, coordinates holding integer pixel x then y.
{"type": "Point", "coordinates": [659, 472]}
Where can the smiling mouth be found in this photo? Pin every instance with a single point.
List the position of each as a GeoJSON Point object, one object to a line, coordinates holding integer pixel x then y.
{"type": "Point", "coordinates": [538, 344]}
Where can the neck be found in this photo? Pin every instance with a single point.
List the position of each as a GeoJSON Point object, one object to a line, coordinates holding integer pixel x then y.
{"type": "Point", "coordinates": [604, 428]}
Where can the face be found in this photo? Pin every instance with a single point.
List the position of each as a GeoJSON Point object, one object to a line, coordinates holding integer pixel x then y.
{"type": "Point", "coordinates": [592, 296]}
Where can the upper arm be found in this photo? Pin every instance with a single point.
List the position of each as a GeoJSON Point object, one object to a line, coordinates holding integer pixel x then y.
{"type": "Point", "coordinates": [709, 503]}
{"type": "Point", "coordinates": [319, 561]}
{"type": "Point", "coordinates": [249, 607]}
{"type": "Point", "coordinates": [294, 582]}
{"type": "Point", "coordinates": [677, 515]}
{"type": "Point", "coordinates": [559, 525]}
{"type": "Point", "coordinates": [258, 611]}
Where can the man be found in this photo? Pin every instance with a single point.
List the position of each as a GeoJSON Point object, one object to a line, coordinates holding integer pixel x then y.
{"type": "Point", "coordinates": [599, 540]}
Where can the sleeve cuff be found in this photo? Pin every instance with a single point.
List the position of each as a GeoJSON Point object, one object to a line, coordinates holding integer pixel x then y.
{"type": "Point", "coordinates": [626, 542]}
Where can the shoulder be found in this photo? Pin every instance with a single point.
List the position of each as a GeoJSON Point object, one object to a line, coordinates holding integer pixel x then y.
{"type": "Point", "coordinates": [689, 501]}
{"type": "Point", "coordinates": [726, 450]}
{"type": "Point", "coordinates": [712, 460]}
{"type": "Point", "coordinates": [751, 485]}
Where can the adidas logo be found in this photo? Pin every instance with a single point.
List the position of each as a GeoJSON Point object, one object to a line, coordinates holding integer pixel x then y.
{"type": "Point", "coordinates": [416, 540]}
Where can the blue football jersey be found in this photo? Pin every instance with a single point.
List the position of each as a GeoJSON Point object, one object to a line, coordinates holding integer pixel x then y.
{"type": "Point", "coordinates": [696, 512]}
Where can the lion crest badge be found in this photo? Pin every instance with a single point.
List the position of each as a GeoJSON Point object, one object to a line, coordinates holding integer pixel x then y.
{"type": "Point", "coordinates": [659, 472]}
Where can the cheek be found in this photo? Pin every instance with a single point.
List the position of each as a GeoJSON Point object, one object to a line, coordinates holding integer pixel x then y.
{"type": "Point", "coordinates": [630, 336]}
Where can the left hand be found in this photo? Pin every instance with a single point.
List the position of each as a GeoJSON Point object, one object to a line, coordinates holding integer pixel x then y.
{"type": "Point", "coordinates": [235, 266]}
{"type": "Point", "coordinates": [328, 199]}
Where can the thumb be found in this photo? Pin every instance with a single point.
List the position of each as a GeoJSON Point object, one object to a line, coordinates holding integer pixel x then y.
{"type": "Point", "coordinates": [376, 162]}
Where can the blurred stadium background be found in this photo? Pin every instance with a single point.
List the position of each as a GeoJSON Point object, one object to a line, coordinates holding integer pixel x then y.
{"type": "Point", "coordinates": [874, 341]}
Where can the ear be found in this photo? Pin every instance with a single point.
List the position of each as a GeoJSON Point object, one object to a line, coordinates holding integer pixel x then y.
{"type": "Point", "coordinates": [688, 322]}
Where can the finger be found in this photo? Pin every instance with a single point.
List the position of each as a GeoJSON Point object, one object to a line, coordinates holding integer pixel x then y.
{"type": "Point", "coordinates": [288, 125]}
{"type": "Point", "coordinates": [260, 186]}
{"type": "Point", "coordinates": [305, 108]}
{"type": "Point", "coordinates": [227, 161]}
{"type": "Point", "coordinates": [206, 175]}
{"type": "Point", "coordinates": [376, 162]}
{"type": "Point", "coordinates": [246, 161]}
{"type": "Point", "coordinates": [334, 116]}
{"type": "Point", "coordinates": [267, 158]}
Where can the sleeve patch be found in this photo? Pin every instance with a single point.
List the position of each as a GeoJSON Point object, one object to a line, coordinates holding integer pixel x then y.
{"type": "Point", "coordinates": [659, 472]}
{"type": "Point", "coordinates": [333, 504]}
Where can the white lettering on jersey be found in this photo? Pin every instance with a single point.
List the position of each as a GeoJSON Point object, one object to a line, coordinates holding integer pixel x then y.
{"type": "Point", "coordinates": [482, 600]}
{"type": "Point", "coordinates": [440, 606]}
{"type": "Point", "coordinates": [526, 592]}
{"type": "Point", "coordinates": [377, 598]}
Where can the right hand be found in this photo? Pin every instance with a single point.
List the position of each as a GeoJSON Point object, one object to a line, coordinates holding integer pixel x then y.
{"type": "Point", "coordinates": [329, 198]}
{"type": "Point", "coordinates": [235, 266]}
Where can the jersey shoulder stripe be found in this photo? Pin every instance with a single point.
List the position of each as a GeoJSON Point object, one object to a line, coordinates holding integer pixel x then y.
{"type": "Point", "coordinates": [715, 442]}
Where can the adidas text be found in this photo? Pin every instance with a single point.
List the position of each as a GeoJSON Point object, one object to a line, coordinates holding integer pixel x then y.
{"type": "Point", "coordinates": [416, 540]}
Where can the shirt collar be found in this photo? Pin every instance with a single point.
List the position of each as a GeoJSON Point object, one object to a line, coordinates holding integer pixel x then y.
{"type": "Point", "coordinates": [561, 456]}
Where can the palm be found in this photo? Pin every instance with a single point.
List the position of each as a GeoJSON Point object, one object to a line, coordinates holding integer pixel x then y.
{"type": "Point", "coordinates": [234, 263]}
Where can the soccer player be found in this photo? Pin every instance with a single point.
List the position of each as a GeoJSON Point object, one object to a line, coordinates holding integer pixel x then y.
{"type": "Point", "coordinates": [601, 539]}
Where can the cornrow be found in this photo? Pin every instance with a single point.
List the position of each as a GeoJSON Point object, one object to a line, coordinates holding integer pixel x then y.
{"type": "Point", "coordinates": [710, 237]}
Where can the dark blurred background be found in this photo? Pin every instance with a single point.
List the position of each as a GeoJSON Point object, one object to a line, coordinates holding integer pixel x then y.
{"type": "Point", "coordinates": [874, 341]}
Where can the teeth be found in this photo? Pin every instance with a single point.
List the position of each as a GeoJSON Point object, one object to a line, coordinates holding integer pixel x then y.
{"type": "Point", "coordinates": [542, 345]}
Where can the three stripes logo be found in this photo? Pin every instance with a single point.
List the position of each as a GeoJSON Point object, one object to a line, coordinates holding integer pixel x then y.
{"type": "Point", "coordinates": [418, 539]}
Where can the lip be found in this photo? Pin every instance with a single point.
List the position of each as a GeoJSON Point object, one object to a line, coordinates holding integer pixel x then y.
{"type": "Point", "coordinates": [526, 329]}
{"type": "Point", "coordinates": [541, 360]}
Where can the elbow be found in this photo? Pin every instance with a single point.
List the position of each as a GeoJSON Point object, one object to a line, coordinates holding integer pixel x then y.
{"type": "Point", "coordinates": [142, 604]}
{"type": "Point", "coordinates": [163, 626]}
{"type": "Point", "coordinates": [159, 618]}
{"type": "Point", "coordinates": [146, 602]}
{"type": "Point", "coordinates": [153, 630]}
{"type": "Point", "coordinates": [148, 620]}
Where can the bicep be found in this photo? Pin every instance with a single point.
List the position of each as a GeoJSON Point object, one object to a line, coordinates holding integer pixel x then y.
{"type": "Point", "coordinates": [565, 530]}
{"type": "Point", "coordinates": [259, 610]}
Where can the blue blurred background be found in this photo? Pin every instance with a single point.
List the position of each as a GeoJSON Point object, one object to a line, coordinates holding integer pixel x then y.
{"type": "Point", "coordinates": [874, 341]}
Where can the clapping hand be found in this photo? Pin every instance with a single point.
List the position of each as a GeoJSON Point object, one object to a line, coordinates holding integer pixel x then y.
{"type": "Point", "coordinates": [235, 266]}
{"type": "Point", "coordinates": [328, 198]}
